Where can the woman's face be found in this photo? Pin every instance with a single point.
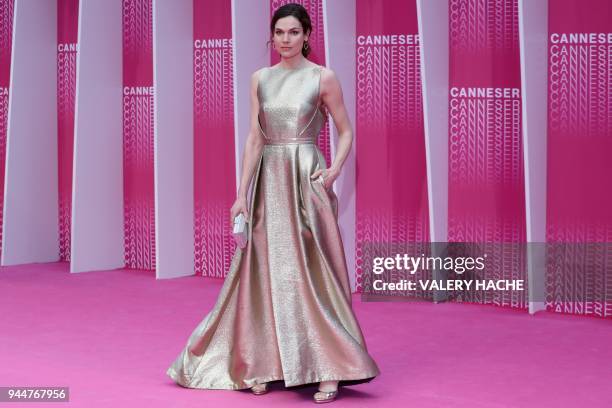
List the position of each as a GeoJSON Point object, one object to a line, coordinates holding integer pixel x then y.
{"type": "Point", "coordinates": [289, 36]}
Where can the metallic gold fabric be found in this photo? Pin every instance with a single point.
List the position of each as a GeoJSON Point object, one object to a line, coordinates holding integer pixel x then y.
{"type": "Point", "coordinates": [284, 311]}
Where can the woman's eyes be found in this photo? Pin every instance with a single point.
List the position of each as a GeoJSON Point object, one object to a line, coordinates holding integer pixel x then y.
{"type": "Point", "coordinates": [290, 32]}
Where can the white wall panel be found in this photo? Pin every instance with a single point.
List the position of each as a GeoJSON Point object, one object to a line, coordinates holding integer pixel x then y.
{"type": "Point", "coordinates": [97, 199]}
{"type": "Point", "coordinates": [173, 81]}
{"type": "Point", "coordinates": [30, 230]}
{"type": "Point", "coordinates": [340, 24]}
{"type": "Point", "coordinates": [433, 30]}
{"type": "Point", "coordinates": [250, 21]}
{"type": "Point", "coordinates": [533, 26]}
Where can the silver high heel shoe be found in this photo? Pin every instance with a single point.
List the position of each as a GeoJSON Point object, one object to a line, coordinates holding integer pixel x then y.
{"type": "Point", "coordinates": [321, 397]}
{"type": "Point", "coordinates": [260, 389]}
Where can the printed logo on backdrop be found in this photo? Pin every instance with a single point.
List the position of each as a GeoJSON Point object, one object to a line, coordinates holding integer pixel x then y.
{"type": "Point", "coordinates": [66, 91]}
{"type": "Point", "coordinates": [316, 41]}
{"type": "Point", "coordinates": [486, 181]}
{"type": "Point", "coordinates": [393, 62]}
{"type": "Point", "coordinates": [214, 115]}
{"type": "Point", "coordinates": [480, 26]}
{"type": "Point", "coordinates": [580, 99]}
{"type": "Point", "coordinates": [213, 79]}
{"type": "Point", "coordinates": [67, 49]}
{"type": "Point", "coordinates": [138, 99]}
{"type": "Point", "coordinates": [6, 38]}
{"type": "Point", "coordinates": [580, 69]}
{"type": "Point", "coordinates": [214, 136]}
{"type": "Point", "coordinates": [391, 190]}
{"type": "Point", "coordinates": [579, 220]}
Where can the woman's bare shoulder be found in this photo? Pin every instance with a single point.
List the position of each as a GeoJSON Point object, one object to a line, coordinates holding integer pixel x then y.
{"type": "Point", "coordinates": [327, 73]}
{"type": "Point", "coordinates": [257, 73]}
{"type": "Point", "coordinates": [255, 76]}
{"type": "Point", "coordinates": [329, 80]}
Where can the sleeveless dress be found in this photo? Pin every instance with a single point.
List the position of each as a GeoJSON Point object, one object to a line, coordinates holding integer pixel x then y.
{"type": "Point", "coordinates": [284, 310]}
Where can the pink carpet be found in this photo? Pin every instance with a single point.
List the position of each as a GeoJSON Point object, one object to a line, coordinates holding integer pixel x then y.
{"type": "Point", "coordinates": [110, 336]}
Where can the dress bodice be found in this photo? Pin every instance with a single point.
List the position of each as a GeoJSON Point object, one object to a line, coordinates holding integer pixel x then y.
{"type": "Point", "coordinates": [290, 108]}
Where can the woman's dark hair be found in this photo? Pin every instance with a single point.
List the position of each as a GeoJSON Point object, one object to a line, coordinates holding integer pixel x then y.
{"type": "Point", "coordinates": [299, 12]}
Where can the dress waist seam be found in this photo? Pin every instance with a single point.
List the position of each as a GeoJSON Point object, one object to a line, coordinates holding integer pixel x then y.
{"type": "Point", "coordinates": [290, 141]}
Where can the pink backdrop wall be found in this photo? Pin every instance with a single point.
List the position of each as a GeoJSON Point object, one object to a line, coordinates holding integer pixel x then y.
{"type": "Point", "coordinates": [6, 38]}
{"type": "Point", "coordinates": [391, 186]}
{"type": "Point", "coordinates": [138, 175]}
{"type": "Point", "coordinates": [579, 194]}
{"type": "Point", "coordinates": [214, 163]}
{"type": "Point", "coordinates": [317, 54]}
{"type": "Point", "coordinates": [486, 201]}
{"type": "Point", "coordinates": [67, 32]}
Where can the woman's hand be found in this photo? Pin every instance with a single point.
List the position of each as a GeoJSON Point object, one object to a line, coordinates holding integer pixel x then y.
{"type": "Point", "coordinates": [240, 206]}
{"type": "Point", "coordinates": [329, 176]}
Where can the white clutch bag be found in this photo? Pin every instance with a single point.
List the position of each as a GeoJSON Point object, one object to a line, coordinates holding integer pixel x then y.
{"type": "Point", "coordinates": [240, 230]}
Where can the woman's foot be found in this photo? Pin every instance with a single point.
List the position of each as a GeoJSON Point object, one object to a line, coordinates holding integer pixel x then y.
{"type": "Point", "coordinates": [328, 391]}
{"type": "Point", "coordinates": [260, 389]}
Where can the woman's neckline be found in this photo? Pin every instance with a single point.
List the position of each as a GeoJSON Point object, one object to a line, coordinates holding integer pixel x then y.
{"type": "Point", "coordinates": [295, 69]}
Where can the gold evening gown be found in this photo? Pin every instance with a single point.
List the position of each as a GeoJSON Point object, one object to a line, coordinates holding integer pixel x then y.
{"type": "Point", "coordinates": [284, 311]}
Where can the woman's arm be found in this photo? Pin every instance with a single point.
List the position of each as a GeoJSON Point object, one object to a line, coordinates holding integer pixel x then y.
{"type": "Point", "coordinates": [331, 95]}
{"type": "Point", "coordinates": [252, 152]}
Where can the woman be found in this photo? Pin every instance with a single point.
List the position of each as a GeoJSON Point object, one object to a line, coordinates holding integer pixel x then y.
{"type": "Point", "coordinates": [284, 311]}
